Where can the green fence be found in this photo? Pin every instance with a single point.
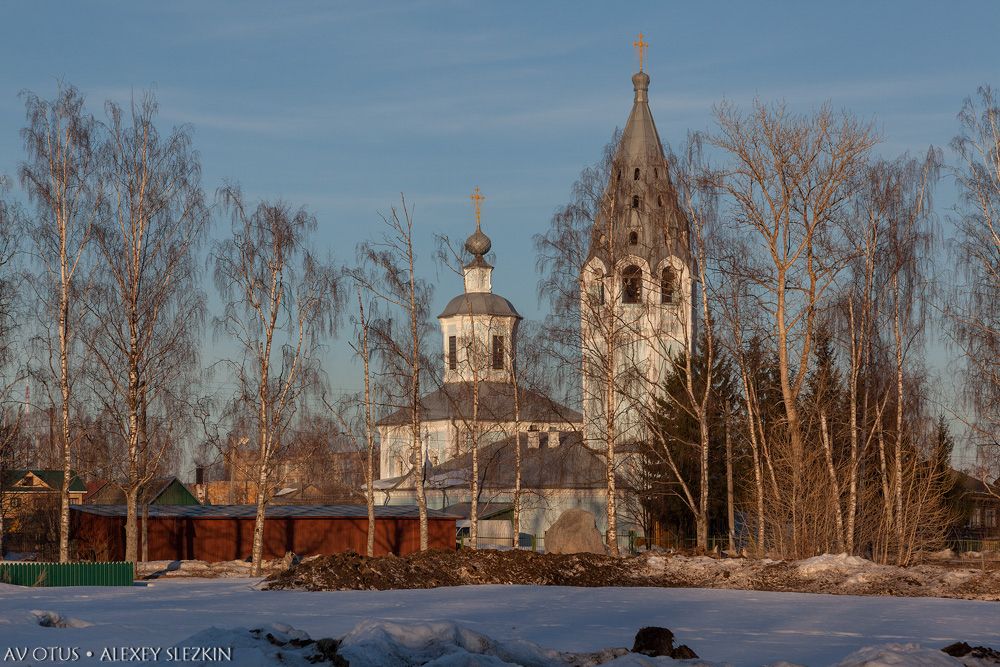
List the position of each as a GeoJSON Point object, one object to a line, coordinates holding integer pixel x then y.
{"type": "Point", "coordinates": [67, 574]}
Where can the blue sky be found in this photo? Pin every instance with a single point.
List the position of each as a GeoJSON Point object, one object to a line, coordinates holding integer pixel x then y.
{"type": "Point", "coordinates": [342, 106]}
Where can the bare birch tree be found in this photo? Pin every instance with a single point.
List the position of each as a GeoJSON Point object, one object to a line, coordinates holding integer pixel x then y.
{"type": "Point", "coordinates": [909, 183]}
{"type": "Point", "coordinates": [974, 310]}
{"type": "Point", "coordinates": [389, 273]}
{"type": "Point", "coordinates": [280, 301]}
{"type": "Point", "coordinates": [789, 180]}
{"type": "Point", "coordinates": [61, 176]}
{"type": "Point", "coordinates": [362, 348]}
{"type": "Point", "coordinates": [145, 307]}
{"type": "Point", "coordinates": [12, 414]}
{"type": "Point", "coordinates": [579, 301]}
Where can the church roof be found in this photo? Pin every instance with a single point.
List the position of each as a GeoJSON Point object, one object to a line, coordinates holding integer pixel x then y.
{"type": "Point", "coordinates": [496, 404]}
{"type": "Point", "coordinates": [567, 465]}
{"type": "Point", "coordinates": [480, 303]}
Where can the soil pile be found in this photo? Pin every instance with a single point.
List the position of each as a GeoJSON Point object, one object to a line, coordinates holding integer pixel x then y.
{"type": "Point", "coordinates": [822, 574]}
{"type": "Point", "coordinates": [432, 569]}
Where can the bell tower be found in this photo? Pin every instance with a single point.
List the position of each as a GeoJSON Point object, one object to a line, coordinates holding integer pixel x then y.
{"type": "Point", "coordinates": [636, 285]}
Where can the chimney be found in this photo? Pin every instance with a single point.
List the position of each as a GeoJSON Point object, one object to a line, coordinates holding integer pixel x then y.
{"type": "Point", "coordinates": [533, 438]}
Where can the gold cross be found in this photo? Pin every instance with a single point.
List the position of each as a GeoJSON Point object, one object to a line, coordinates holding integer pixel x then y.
{"type": "Point", "coordinates": [640, 46]}
{"type": "Point", "coordinates": [477, 200]}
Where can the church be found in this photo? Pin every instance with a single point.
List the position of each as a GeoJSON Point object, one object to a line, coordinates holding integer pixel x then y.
{"type": "Point", "coordinates": [635, 307]}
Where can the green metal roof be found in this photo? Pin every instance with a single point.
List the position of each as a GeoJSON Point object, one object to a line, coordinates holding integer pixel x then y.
{"type": "Point", "coordinates": [53, 478]}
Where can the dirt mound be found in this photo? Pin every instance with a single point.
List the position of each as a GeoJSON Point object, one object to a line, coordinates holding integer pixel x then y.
{"type": "Point", "coordinates": [432, 569]}
{"type": "Point", "coordinates": [821, 574]}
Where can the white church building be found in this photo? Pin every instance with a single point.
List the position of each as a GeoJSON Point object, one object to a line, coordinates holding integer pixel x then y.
{"type": "Point", "coordinates": [636, 290]}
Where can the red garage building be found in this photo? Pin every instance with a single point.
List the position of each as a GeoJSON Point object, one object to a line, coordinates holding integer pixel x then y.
{"type": "Point", "coordinates": [225, 532]}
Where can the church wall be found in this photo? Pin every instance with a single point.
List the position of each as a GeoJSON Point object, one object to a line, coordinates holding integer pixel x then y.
{"type": "Point", "coordinates": [439, 440]}
{"type": "Point", "coordinates": [539, 508]}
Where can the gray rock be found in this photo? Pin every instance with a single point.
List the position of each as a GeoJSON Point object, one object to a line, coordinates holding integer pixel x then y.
{"type": "Point", "coordinates": [654, 642]}
{"type": "Point", "coordinates": [574, 532]}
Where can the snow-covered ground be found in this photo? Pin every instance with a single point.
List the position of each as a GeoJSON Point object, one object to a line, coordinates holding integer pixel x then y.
{"type": "Point", "coordinates": [738, 627]}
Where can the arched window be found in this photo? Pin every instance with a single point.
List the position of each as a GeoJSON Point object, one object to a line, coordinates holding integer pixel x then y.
{"type": "Point", "coordinates": [631, 284]}
{"type": "Point", "coordinates": [656, 172]}
{"type": "Point", "coordinates": [659, 200]}
{"type": "Point", "coordinates": [668, 285]}
{"type": "Point", "coordinates": [633, 238]}
{"type": "Point", "coordinates": [636, 176]}
{"type": "Point", "coordinates": [635, 201]}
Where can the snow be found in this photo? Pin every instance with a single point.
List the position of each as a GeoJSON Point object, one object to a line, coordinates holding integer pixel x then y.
{"type": "Point", "coordinates": [891, 655]}
{"type": "Point", "coordinates": [722, 626]}
{"type": "Point", "coordinates": [380, 643]}
{"type": "Point", "coordinates": [841, 563]}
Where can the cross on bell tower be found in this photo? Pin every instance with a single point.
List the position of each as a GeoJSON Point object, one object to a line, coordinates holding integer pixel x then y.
{"type": "Point", "coordinates": [640, 47]}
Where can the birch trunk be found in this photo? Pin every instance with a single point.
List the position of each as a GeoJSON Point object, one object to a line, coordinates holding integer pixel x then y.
{"type": "Point", "coordinates": [369, 433]}
{"type": "Point", "coordinates": [517, 460]}
{"type": "Point", "coordinates": [67, 453]}
{"type": "Point", "coordinates": [730, 503]}
{"type": "Point", "coordinates": [852, 492]}
{"type": "Point", "coordinates": [610, 407]}
{"type": "Point", "coordinates": [834, 482]}
{"type": "Point", "coordinates": [898, 442]}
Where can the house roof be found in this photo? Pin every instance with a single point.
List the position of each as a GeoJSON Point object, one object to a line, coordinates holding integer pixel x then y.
{"type": "Point", "coordinates": [52, 478]}
{"type": "Point", "coordinates": [112, 494]}
{"type": "Point", "coordinates": [496, 403]}
{"type": "Point", "coordinates": [272, 512]}
{"type": "Point", "coordinates": [569, 465]}
{"type": "Point", "coordinates": [972, 484]}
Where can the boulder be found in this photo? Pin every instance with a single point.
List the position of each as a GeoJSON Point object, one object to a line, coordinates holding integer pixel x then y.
{"type": "Point", "coordinates": [574, 532]}
{"type": "Point", "coordinates": [654, 642]}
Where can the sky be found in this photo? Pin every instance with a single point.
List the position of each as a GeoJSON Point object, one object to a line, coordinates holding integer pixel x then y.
{"type": "Point", "coordinates": [342, 106]}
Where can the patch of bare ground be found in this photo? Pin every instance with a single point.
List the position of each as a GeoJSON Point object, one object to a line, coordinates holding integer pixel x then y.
{"type": "Point", "coordinates": [834, 574]}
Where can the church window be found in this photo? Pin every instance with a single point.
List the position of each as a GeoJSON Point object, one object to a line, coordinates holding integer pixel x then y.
{"type": "Point", "coordinates": [667, 286]}
{"type": "Point", "coordinates": [635, 201]}
{"type": "Point", "coordinates": [633, 238]}
{"type": "Point", "coordinates": [632, 284]}
{"type": "Point", "coordinates": [656, 172]}
{"type": "Point", "coordinates": [498, 353]}
{"type": "Point", "coordinates": [452, 352]}
{"type": "Point", "coordinates": [659, 200]}
{"type": "Point", "coordinates": [636, 177]}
